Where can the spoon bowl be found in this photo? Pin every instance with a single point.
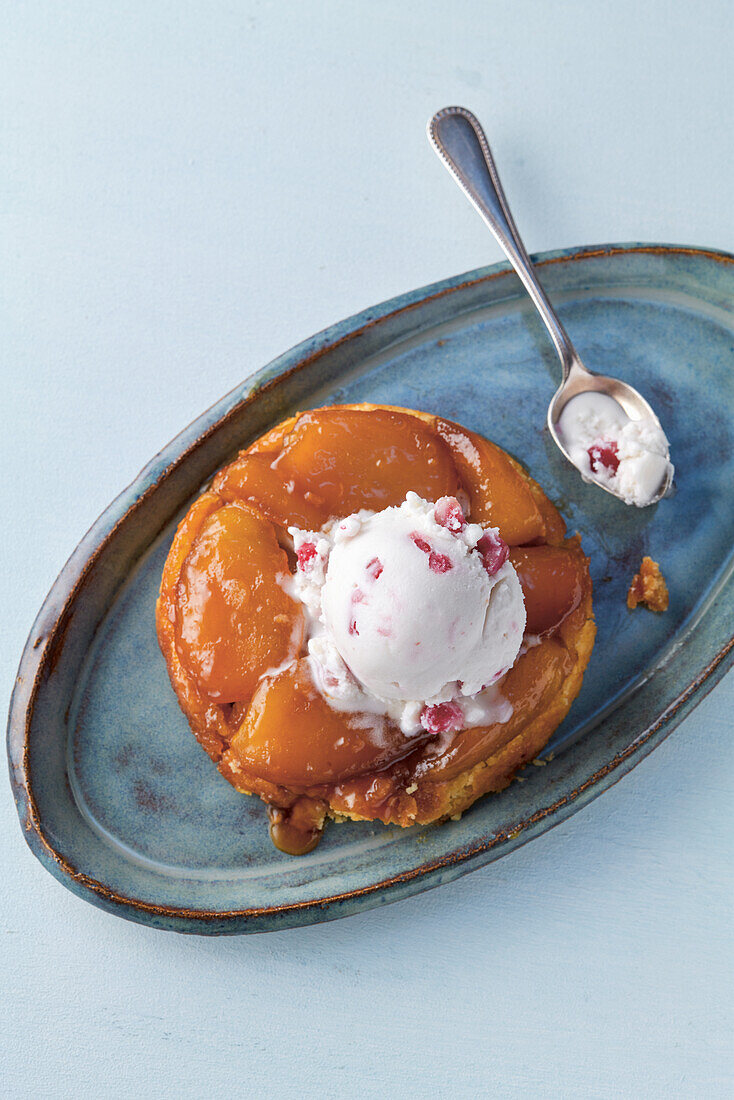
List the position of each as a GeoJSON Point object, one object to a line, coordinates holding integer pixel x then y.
{"type": "Point", "coordinates": [580, 380]}
{"type": "Point", "coordinates": [461, 143]}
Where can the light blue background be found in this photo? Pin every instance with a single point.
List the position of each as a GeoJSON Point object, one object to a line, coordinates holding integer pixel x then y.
{"type": "Point", "coordinates": [189, 189]}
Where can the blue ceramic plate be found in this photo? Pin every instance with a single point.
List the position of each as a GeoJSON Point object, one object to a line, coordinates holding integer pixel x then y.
{"type": "Point", "coordinates": [115, 796]}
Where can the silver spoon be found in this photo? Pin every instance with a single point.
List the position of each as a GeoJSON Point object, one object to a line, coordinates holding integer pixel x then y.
{"type": "Point", "coordinates": [460, 142]}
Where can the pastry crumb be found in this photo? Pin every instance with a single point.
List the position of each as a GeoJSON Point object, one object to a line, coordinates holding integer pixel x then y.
{"type": "Point", "coordinates": [648, 587]}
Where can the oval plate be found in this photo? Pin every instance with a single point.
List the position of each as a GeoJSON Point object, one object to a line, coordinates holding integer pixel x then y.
{"type": "Point", "coordinates": [115, 796]}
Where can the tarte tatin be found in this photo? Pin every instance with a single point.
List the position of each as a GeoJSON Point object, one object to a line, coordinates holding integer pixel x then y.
{"type": "Point", "coordinates": [233, 634]}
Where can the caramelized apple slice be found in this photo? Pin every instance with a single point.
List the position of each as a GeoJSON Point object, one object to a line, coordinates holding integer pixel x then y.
{"type": "Point", "coordinates": [252, 479]}
{"type": "Point", "coordinates": [272, 441]}
{"type": "Point", "coordinates": [292, 737]}
{"type": "Point", "coordinates": [233, 618]}
{"type": "Point", "coordinates": [552, 579]}
{"type": "Point", "coordinates": [352, 459]}
{"type": "Point", "coordinates": [186, 535]}
{"type": "Point", "coordinates": [499, 495]}
{"type": "Point", "coordinates": [529, 685]}
{"type": "Point", "coordinates": [554, 525]}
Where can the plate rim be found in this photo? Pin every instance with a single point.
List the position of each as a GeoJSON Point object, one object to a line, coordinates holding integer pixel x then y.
{"type": "Point", "coordinates": [40, 645]}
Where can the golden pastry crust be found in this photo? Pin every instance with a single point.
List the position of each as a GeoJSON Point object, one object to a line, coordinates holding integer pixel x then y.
{"type": "Point", "coordinates": [424, 786]}
{"type": "Point", "coordinates": [648, 587]}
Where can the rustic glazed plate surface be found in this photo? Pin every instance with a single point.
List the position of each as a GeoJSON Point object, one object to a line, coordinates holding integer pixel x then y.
{"type": "Point", "coordinates": [115, 796]}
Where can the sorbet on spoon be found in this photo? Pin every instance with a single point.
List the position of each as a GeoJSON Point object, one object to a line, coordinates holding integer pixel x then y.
{"type": "Point", "coordinates": [603, 426]}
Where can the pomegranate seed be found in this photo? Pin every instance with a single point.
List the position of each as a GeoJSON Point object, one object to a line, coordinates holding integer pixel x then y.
{"type": "Point", "coordinates": [374, 568]}
{"type": "Point", "coordinates": [442, 718]}
{"type": "Point", "coordinates": [357, 597]}
{"type": "Point", "coordinates": [420, 542]}
{"type": "Point", "coordinates": [439, 563]}
{"type": "Point", "coordinates": [306, 554]}
{"type": "Point", "coordinates": [494, 551]}
{"type": "Point", "coordinates": [603, 455]}
{"type": "Point", "coordinates": [450, 514]}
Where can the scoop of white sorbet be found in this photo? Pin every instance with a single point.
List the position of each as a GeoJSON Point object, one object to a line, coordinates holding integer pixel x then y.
{"type": "Point", "coordinates": [631, 457]}
{"type": "Point", "coordinates": [410, 608]}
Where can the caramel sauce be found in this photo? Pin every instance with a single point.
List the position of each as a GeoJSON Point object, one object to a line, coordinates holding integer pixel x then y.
{"type": "Point", "coordinates": [295, 831]}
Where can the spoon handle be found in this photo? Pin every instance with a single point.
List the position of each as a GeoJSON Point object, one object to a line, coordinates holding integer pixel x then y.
{"type": "Point", "coordinates": [461, 144]}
